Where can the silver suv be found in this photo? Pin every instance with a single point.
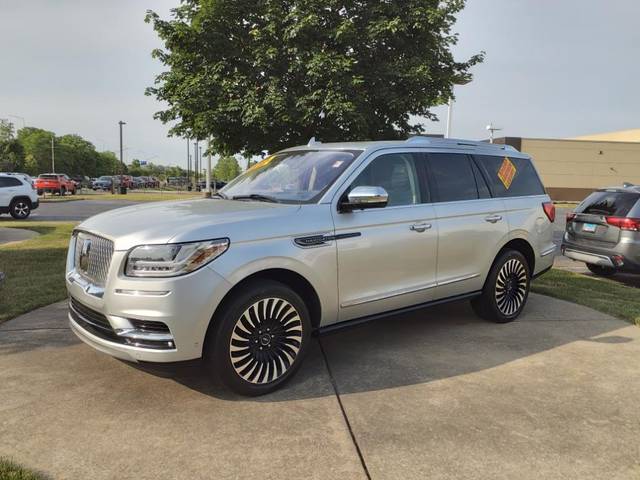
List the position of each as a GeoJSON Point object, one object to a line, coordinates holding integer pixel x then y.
{"type": "Point", "coordinates": [309, 239]}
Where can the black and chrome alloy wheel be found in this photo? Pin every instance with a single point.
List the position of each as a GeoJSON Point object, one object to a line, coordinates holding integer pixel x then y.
{"type": "Point", "coordinates": [505, 290]}
{"type": "Point", "coordinates": [511, 286]}
{"type": "Point", "coordinates": [258, 339]}
{"type": "Point", "coordinates": [266, 340]}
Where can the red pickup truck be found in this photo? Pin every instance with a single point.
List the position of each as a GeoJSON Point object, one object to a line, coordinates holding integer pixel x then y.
{"type": "Point", "coordinates": [55, 183]}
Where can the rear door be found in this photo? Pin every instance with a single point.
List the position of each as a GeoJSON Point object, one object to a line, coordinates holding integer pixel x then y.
{"type": "Point", "coordinates": [9, 188]}
{"type": "Point", "coordinates": [590, 226]}
{"type": "Point", "coordinates": [387, 256]}
{"type": "Point", "coordinates": [470, 223]}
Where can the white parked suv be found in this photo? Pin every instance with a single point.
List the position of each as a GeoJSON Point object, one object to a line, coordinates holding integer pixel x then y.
{"type": "Point", "coordinates": [18, 196]}
{"type": "Point", "coordinates": [310, 239]}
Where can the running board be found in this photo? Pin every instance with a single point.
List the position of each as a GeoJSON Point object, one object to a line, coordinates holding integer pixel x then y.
{"type": "Point", "coordinates": [334, 327]}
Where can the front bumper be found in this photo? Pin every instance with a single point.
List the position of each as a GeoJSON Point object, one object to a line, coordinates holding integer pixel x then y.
{"type": "Point", "coordinates": [184, 304]}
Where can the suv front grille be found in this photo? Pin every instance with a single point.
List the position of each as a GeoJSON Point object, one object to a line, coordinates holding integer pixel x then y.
{"type": "Point", "coordinates": [93, 257]}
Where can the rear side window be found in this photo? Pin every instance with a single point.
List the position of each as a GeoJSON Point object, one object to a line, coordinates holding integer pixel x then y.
{"type": "Point", "coordinates": [9, 182]}
{"type": "Point", "coordinates": [451, 177]}
{"type": "Point", "coordinates": [48, 177]}
{"type": "Point", "coordinates": [612, 204]}
{"type": "Point", "coordinates": [510, 177]}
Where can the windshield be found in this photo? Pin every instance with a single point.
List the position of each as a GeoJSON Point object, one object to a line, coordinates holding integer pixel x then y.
{"type": "Point", "coordinates": [300, 176]}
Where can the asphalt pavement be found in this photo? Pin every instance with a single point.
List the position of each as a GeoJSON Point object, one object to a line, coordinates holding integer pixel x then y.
{"type": "Point", "coordinates": [437, 393]}
{"type": "Point", "coordinates": [76, 210]}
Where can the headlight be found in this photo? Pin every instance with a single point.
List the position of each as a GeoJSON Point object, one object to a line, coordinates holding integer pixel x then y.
{"type": "Point", "coordinates": [173, 259]}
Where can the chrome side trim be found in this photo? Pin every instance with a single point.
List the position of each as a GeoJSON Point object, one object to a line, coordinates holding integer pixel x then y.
{"type": "Point", "coordinates": [136, 334]}
{"type": "Point", "coordinates": [458, 279]}
{"type": "Point", "coordinates": [142, 293]}
{"type": "Point", "coordinates": [383, 296]}
{"type": "Point", "coordinates": [548, 251]}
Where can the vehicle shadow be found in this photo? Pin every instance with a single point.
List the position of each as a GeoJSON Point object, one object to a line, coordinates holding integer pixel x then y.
{"type": "Point", "coordinates": [419, 347]}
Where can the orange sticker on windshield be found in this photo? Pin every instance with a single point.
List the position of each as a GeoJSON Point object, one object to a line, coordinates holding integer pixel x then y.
{"type": "Point", "coordinates": [262, 163]}
{"type": "Point", "coordinates": [507, 172]}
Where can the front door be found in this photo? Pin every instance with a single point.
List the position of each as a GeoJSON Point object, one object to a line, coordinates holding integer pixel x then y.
{"type": "Point", "coordinates": [387, 256]}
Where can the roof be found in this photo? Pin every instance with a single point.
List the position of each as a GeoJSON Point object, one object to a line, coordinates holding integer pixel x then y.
{"type": "Point", "coordinates": [632, 135]}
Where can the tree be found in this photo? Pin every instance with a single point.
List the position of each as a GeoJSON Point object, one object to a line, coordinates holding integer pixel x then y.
{"type": "Point", "coordinates": [269, 74]}
{"type": "Point", "coordinates": [226, 169]}
{"type": "Point", "coordinates": [37, 149]}
{"type": "Point", "coordinates": [6, 130]}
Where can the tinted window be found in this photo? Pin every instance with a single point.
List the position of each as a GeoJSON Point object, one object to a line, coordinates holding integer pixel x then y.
{"type": "Point", "coordinates": [483, 189]}
{"type": "Point", "coordinates": [614, 204]}
{"type": "Point", "coordinates": [511, 177]}
{"type": "Point", "coordinates": [396, 173]}
{"type": "Point", "coordinates": [452, 176]}
{"type": "Point", "coordinates": [9, 182]}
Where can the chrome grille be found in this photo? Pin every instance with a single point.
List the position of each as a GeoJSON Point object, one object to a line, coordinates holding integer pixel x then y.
{"type": "Point", "coordinates": [93, 257]}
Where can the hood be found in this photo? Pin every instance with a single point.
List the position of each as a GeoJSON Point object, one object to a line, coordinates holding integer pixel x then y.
{"type": "Point", "coordinates": [181, 221]}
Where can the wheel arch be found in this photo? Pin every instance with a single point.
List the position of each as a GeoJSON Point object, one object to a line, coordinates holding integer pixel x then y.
{"type": "Point", "coordinates": [523, 246]}
{"type": "Point", "coordinates": [21, 197]}
{"type": "Point", "coordinates": [294, 280]}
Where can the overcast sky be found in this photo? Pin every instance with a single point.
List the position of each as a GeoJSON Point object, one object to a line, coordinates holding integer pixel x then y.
{"type": "Point", "coordinates": [552, 69]}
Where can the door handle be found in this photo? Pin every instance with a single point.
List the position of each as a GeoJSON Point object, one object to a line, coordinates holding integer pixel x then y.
{"type": "Point", "coordinates": [493, 218]}
{"type": "Point", "coordinates": [420, 227]}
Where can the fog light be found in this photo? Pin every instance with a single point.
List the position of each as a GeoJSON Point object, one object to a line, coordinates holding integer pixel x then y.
{"type": "Point", "coordinates": [618, 260]}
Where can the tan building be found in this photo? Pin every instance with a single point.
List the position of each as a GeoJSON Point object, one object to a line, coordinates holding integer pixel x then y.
{"type": "Point", "coordinates": [573, 168]}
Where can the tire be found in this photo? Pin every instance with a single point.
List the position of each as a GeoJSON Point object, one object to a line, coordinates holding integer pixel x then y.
{"type": "Point", "coordinates": [506, 289]}
{"type": "Point", "coordinates": [248, 346]}
{"type": "Point", "coordinates": [600, 270]}
{"type": "Point", "coordinates": [63, 191]}
{"type": "Point", "coordinates": [20, 209]}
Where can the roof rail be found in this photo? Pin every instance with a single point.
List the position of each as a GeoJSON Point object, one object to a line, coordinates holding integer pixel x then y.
{"type": "Point", "coordinates": [454, 141]}
{"type": "Point", "coordinates": [312, 142]}
{"type": "Point", "coordinates": [418, 139]}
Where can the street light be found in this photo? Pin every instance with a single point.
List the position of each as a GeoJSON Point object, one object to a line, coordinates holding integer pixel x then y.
{"type": "Point", "coordinates": [458, 81]}
{"type": "Point", "coordinates": [123, 189]}
{"type": "Point", "coordinates": [492, 130]}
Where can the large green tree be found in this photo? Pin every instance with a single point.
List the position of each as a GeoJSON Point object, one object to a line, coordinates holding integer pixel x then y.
{"type": "Point", "coordinates": [226, 169]}
{"type": "Point", "coordinates": [257, 75]}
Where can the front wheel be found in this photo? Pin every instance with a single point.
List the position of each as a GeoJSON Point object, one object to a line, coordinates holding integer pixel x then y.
{"type": "Point", "coordinates": [258, 340]}
{"type": "Point", "coordinates": [20, 209]}
{"type": "Point", "coordinates": [506, 289]}
{"type": "Point", "coordinates": [601, 271]}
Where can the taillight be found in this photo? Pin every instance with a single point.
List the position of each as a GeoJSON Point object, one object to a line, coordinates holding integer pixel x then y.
{"type": "Point", "coordinates": [624, 223]}
{"type": "Point", "coordinates": [570, 216]}
{"type": "Point", "coordinates": [549, 210]}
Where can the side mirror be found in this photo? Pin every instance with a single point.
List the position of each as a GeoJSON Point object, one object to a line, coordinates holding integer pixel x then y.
{"type": "Point", "coordinates": [364, 197]}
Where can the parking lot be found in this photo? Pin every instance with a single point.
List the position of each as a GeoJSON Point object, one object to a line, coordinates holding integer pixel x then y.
{"type": "Point", "coordinates": [434, 394]}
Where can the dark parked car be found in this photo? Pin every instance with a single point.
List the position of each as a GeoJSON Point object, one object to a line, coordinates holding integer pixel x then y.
{"type": "Point", "coordinates": [105, 183]}
{"type": "Point", "coordinates": [604, 231]}
{"type": "Point", "coordinates": [215, 185]}
{"type": "Point", "coordinates": [81, 181]}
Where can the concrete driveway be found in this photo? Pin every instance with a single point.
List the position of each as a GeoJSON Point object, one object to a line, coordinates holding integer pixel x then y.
{"type": "Point", "coordinates": [432, 394]}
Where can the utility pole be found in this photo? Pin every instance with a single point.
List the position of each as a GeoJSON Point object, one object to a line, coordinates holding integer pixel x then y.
{"type": "Point", "coordinates": [53, 155]}
{"type": "Point", "coordinates": [123, 189]}
{"type": "Point", "coordinates": [200, 162]}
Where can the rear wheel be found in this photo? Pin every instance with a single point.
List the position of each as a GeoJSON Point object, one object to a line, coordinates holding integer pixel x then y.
{"type": "Point", "coordinates": [20, 209]}
{"type": "Point", "coordinates": [63, 191]}
{"type": "Point", "coordinates": [600, 270]}
{"type": "Point", "coordinates": [259, 338]}
{"type": "Point", "coordinates": [506, 289]}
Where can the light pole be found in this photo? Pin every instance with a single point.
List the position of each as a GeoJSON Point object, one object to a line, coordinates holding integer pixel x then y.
{"type": "Point", "coordinates": [458, 81]}
{"type": "Point", "coordinates": [188, 161]}
{"type": "Point", "coordinates": [200, 161]}
{"type": "Point", "coordinates": [492, 130]}
{"type": "Point", "coordinates": [207, 190]}
{"type": "Point", "coordinates": [195, 165]}
{"type": "Point", "coordinates": [53, 155]}
{"type": "Point", "coordinates": [123, 189]}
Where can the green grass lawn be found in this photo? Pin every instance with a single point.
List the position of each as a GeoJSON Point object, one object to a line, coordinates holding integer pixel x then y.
{"type": "Point", "coordinates": [601, 294]}
{"type": "Point", "coordinates": [12, 471]}
{"type": "Point", "coordinates": [34, 268]}
{"type": "Point", "coordinates": [132, 197]}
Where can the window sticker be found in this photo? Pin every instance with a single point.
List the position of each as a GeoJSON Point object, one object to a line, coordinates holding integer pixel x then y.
{"type": "Point", "coordinates": [507, 172]}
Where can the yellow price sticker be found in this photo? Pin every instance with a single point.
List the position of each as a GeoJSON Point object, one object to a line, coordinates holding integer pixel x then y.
{"type": "Point", "coordinates": [507, 172]}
